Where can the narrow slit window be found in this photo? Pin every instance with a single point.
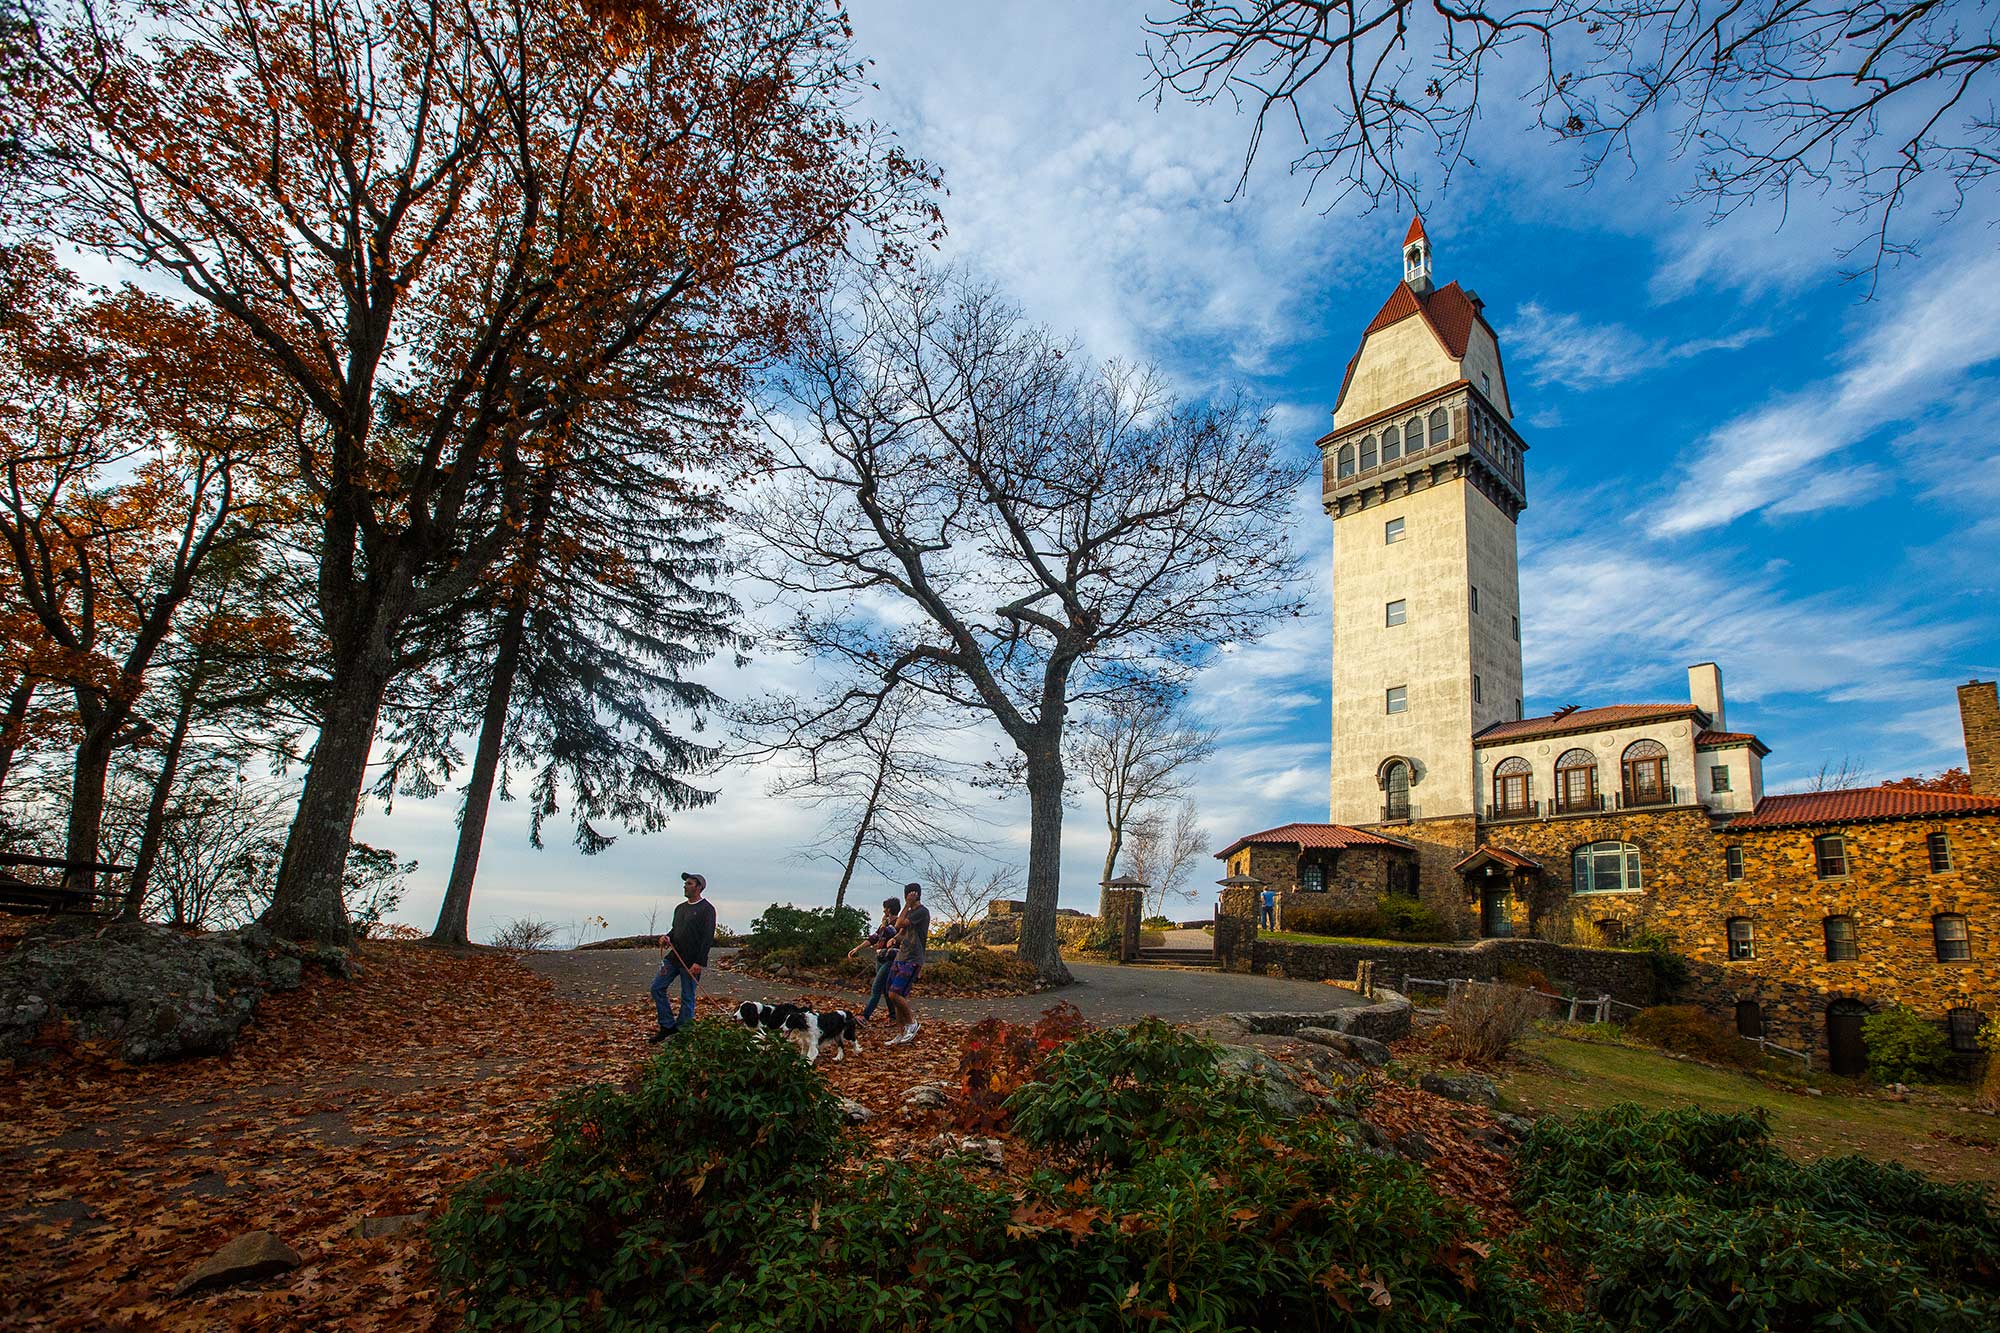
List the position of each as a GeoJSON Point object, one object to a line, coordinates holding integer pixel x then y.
{"type": "Point", "coordinates": [1940, 850]}
{"type": "Point", "coordinates": [1732, 862]}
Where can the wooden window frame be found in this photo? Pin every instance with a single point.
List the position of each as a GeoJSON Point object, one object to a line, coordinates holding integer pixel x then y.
{"type": "Point", "coordinates": [1952, 948]}
{"type": "Point", "coordinates": [1718, 777]}
{"type": "Point", "coordinates": [1732, 862]}
{"type": "Point", "coordinates": [1834, 864]}
{"type": "Point", "coordinates": [1938, 844]}
{"type": "Point", "coordinates": [1847, 950]}
{"type": "Point", "coordinates": [1740, 933]}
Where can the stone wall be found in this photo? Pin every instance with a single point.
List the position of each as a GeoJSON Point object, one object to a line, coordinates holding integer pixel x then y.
{"type": "Point", "coordinates": [1979, 713]}
{"type": "Point", "coordinates": [1623, 974]}
{"type": "Point", "coordinates": [1678, 853]}
{"type": "Point", "coordinates": [1890, 892]}
{"type": "Point", "coordinates": [1441, 844]}
{"type": "Point", "coordinates": [1277, 866]}
{"type": "Point", "coordinates": [1236, 929]}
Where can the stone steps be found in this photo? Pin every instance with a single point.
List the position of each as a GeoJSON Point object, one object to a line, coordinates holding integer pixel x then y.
{"type": "Point", "coordinates": [1203, 958]}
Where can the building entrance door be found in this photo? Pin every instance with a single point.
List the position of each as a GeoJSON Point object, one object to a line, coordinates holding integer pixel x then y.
{"type": "Point", "coordinates": [1846, 1055]}
{"type": "Point", "coordinates": [1495, 913]}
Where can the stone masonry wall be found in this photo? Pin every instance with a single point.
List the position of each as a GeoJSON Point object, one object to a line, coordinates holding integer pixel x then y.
{"type": "Point", "coordinates": [1625, 975]}
{"type": "Point", "coordinates": [1678, 853]}
{"type": "Point", "coordinates": [1890, 892]}
{"type": "Point", "coordinates": [1441, 844]}
{"type": "Point", "coordinates": [1278, 867]}
{"type": "Point", "coordinates": [1979, 713]}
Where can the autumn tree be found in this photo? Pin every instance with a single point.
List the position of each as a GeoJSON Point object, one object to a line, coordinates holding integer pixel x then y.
{"type": "Point", "coordinates": [877, 773]}
{"type": "Point", "coordinates": [1134, 751]}
{"type": "Point", "coordinates": [131, 445]}
{"type": "Point", "coordinates": [1858, 100]}
{"type": "Point", "coordinates": [446, 223]}
{"type": "Point", "coordinates": [968, 508]}
{"type": "Point", "coordinates": [1953, 780]}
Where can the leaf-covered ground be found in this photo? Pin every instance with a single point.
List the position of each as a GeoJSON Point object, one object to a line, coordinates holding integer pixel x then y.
{"type": "Point", "coordinates": [373, 1099]}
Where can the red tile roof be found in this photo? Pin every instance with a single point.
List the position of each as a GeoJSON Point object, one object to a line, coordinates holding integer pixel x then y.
{"type": "Point", "coordinates": [1861, 805]}
{"type": "Point", "coordinates": [1710, 740]}
{"type": "Point", "coordinates": [1448, 311]}
{"type": "Point", "coordinates": [1329, 836]}
{"type": "Point", "coordinates": [1512, 860]}
{"type": "Point", "coordinates": [1416, 228]}
{"type": "Point", "coordinates": [1580, 719]}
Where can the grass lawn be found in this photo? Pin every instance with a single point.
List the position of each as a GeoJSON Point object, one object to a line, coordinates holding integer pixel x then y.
{"type": "Point", "coordinates": [1300, 937]}
{"type": "Point", "coordinates": [1566, 1075]}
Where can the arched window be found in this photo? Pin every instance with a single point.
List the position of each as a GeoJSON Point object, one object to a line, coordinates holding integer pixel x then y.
{"type": "Point", "coordinates": [1367, 453]}
{"type": "Point", "coordinates": [1346, 460]}
{"type": "Point", "coordinates": [1953, 940]}
{"type": "Point", "coordinates": [1440, 426]}
{"type": "Point", "coordinates": [1962, 1026]}
{"type": "Point", "coordinates": [1576, 780]}
{"type": "Point", "coordinates": [1392, 445]}
{"type": "Point", "coordinates": [1645, 766]}
{"type": "Point", "coordinates": [1742, 939]}
{"type": "Point", "coordinates": [1840, 943]}
{"type": "Point", "coordinates": [1511, 794]}
{"type": "Point", "coordinates": [1749, 1019]}
{"type": "Point", "coordinates": [1413, 434]}
{"type": "Point", "coordinates": [1396, 790]}
{"type": "Point", "coordinates": [1605, 867]}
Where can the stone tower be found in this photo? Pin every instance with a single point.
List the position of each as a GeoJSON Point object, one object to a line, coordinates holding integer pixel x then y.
{"type": "Point", "coordinates": [1423, 479]}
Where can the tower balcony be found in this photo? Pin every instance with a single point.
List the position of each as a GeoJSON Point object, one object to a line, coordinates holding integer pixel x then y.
{"type": "Point", "coordinates": [1448, 433]}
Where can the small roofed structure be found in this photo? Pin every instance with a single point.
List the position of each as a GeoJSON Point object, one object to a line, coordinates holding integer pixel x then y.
{"type": "Point", "coordinates": [1335, 865]}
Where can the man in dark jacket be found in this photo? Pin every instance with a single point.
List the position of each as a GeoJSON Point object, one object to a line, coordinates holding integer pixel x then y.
{"type": "Point", "coordinates": [686, 948]}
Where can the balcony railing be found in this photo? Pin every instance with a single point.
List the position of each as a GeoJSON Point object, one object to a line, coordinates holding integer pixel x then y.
{"type": "Point", "coordinates": [1658, 796]}
{"type": "Point", "coordinates": [1393, 809]}
{"type": "Point", "coordinates": [1577, 805]}
{"type": "Point", "coordinates": [1514, 810]}
{"type": "Point", "coordinates": [1595, 803]}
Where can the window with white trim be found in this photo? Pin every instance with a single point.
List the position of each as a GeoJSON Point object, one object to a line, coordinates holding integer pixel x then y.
{"type": "Point", "coordinates": [1392, 532]}
{"type": "Point", "coordinates": [1742, 939]}
{"type": "Point", "coordinates": [1605, 867]}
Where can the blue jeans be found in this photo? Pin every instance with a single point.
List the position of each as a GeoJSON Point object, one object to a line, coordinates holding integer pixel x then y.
{"type": "Point", "coordinates": [881, 989]}
{"type": "Point", "coordinates": [669, 970]}
{"type": "Point", "coordinates": [1270, 917]}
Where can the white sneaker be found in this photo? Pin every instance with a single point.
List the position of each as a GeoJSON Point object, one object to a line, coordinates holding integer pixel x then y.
{"type": "Point", "coordinates": [907, 1035]}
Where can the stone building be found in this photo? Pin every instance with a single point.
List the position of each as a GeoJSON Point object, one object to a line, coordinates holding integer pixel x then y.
{"type": "Point", "coordinates": [1797, 912]}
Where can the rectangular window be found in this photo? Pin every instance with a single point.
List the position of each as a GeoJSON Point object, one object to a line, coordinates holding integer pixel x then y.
{"type": "Point", "coordinates": [1398, 612]}
{"type": "Point", "coordinates": [1940, 846]}
{"type": "Point", "coordinates": [1732, 862]}
{"type": "Point", "coordinates": [1475, 688]}
{"type": "Point", "coordinates": [1718, 777]}
{"type": "Point", "coordinates": [1392, 531]}
{"type": "Point", "coordinates": [1517, 629]}
{"type": "Point", "coordinates": [1830, 853]}
{"type": "Point", "coordinates": [1475, 601]}
{"type": "Point", "coordinates": [1954, 940]}
{"type": "Point", "coordinates": [1399, 698]}
{"type": "Point", "coordinates": [1518, 714]}
{"type": "Point", "coordinates": [1840, 945]}
{"type": "Point", "coordinates": [1312, 877]}
{"type": "Point", "coordinates": [1742, 939]}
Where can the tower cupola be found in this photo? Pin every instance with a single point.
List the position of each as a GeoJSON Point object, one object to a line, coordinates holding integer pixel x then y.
{"type": "Point", "coordinates": [1417, 257]}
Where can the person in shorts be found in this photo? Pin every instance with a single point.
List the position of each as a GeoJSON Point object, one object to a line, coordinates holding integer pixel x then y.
{"type": "Point", "coordinates": [883, 941]}
{"type": "Point", "coordinates": [913, 930]}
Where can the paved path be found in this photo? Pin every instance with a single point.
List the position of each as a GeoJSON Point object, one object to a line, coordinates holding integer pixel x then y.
{"type": "Point", "coordinates": [1106, 993]}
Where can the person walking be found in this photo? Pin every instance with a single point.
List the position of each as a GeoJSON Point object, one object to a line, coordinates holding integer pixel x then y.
{"type": "Point", "coordinates": [686, 949]}
{"type": "Point", "coordinates": [883, 941]}
{"type": "Point", "coordinates": [913, 929]}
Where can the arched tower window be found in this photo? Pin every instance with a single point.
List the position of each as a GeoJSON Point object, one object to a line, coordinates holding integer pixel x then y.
{"type": "Point", "coordinates": [1346, 460]}
{"type": "Point", "coordinates": [1396, 790]}
{"type": "Point", "coordinates": [1645, 765]}
{"type": "Point", "coordinates": [1413, 434]}
{"type": "Point", "coordinates": [1576, 781]}
{"type": "Point", "coordinates": [1440, 426]}
{"type": "Point", "coordinates": [1367, 453]}
{"type": "Point", "coordinates": [1392, 445]}
{"type": "Point", "coordinates": [1512, 794]}
{"type": "Point", "coordinates": [1605, 867]}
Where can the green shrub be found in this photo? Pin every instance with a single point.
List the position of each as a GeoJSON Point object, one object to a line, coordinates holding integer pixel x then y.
{"type": "Point", "coordinates": [1670, 970]}
{"type": "Point", "coordinates": [806, 936]}
{"type": "Point", "coordinates": [645, 1192]}
{"type": "Point", "coordinates": [1393, 917]}
{"type": "Point", "coordinates": [1687, 1219]}
{"type": "Point", "coordinates": [1156, 923]}
{"type": "Point", "coordinates": [1903, 1046]}
{"type": "Point", "coordinates": [1410, 919]}
{"type": "Point", "coordinates": [1687, 1030]}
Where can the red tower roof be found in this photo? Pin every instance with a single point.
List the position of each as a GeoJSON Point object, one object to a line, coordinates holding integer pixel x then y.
{"type": "Point", "coordinates": [1416, 231]}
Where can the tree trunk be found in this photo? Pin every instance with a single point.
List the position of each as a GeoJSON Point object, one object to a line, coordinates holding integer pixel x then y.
{"type": "Point", "coordinates": [18, 700]}
{"type": "Point", "coordinates": [86, 799]}
{"type": "Point", "coordinates": [156, 808]}
{"type": "Point", "coordinates": [456, 911]}
{"type": "Point", "coordinates": [307, 903]}
{"type": "Point", "coordinates": [1110, 868]}
{"type": "Point", "coordinates": [1039, 944]}
{"type": "Point", "coordinates": [861, 830]}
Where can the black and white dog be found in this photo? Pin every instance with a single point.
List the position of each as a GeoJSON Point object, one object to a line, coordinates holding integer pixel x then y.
{"type": "Point", "coordinates": [835, 1026]}
{"type": "Point", "coordinates": [769, 1019]}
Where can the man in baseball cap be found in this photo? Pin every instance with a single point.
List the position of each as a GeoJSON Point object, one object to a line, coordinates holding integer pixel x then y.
{"type": "Point", "coordinates": [686, 953]}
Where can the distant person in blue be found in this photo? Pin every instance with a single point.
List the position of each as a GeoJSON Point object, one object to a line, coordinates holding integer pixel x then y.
{"type": "Point", "coordinates": [1270, 909]}
{"type": "Point", "coordinates": [686, 949]}
{"type": "Point", "coordinates": [883, 942]}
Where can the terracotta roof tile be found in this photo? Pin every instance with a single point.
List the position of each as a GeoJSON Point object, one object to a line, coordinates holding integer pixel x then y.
{"type": "Point", "coordinates": [1861, 805]}
{"type": "Point", "coordinates": [1512, 860]}
{"type": "Point", "coordinates": [1416, 228]}
{"type": "Point", "coordinates": [1580, 719]}
{"type": "Point", "coordinates": [1327, 836]}
{"type": "Point", "coordinates": [1448, 311]}
{"type": "Point", "coordinates": [1710, 740]}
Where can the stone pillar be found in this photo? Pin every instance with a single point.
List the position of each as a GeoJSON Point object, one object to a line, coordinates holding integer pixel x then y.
{"type": "Point", "coordinates": [1979, 713]}
{"type": "Point", "coordinates": [1121, 917]}
{"type": "Point", "coordinates": [1236, 927]}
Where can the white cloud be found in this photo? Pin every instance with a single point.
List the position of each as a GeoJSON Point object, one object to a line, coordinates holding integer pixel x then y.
{"type": "Point", "coordinates": [1563, 348]}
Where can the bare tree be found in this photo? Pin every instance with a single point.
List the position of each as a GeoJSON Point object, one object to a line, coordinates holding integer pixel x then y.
{"type": "Point", "coordinates": [1132, 752]}
{"type": "Point", "coordinates": [966, 507]}
{"type": "Point", "coordinates": [958, 892]}
{"type": "Point", "coordinates": [1165, 853]}
{"type": "Point", "coordinates": [1857, 99]}
{"type": "Point", "coordinates": [1843, 775]}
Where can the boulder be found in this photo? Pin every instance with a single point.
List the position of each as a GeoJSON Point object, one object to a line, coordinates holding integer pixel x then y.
{"type": "Point", "coordinates": [1365, 1049]}
{"type": "Point", "coordinates": [986, 1152]}
{"type": "Point", "coordinates": [1331, 1068]}
{"type": "Point", "coordinates": [1468, 1088]}
{"type": "Point", "coordinates": [927, 1097]}
{"type": "Point", "coordinates": [139, 991]}
{"type": "Point", "coordinates": [1276, 1085]}
{"type": "Point", "coordinates": [249, 1257]}
{"type": "Point", "coordinates": [854, 1112]}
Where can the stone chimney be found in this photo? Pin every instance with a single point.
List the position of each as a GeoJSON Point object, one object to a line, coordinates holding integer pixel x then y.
{"type": "Point", "coordinates": [1705, 692]}
{"type": "Point", "coordinates": [1979, 712]}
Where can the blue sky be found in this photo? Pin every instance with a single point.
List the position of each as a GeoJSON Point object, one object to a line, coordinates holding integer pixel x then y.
{"type": "Point", "coordinates": [1734, 455]}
